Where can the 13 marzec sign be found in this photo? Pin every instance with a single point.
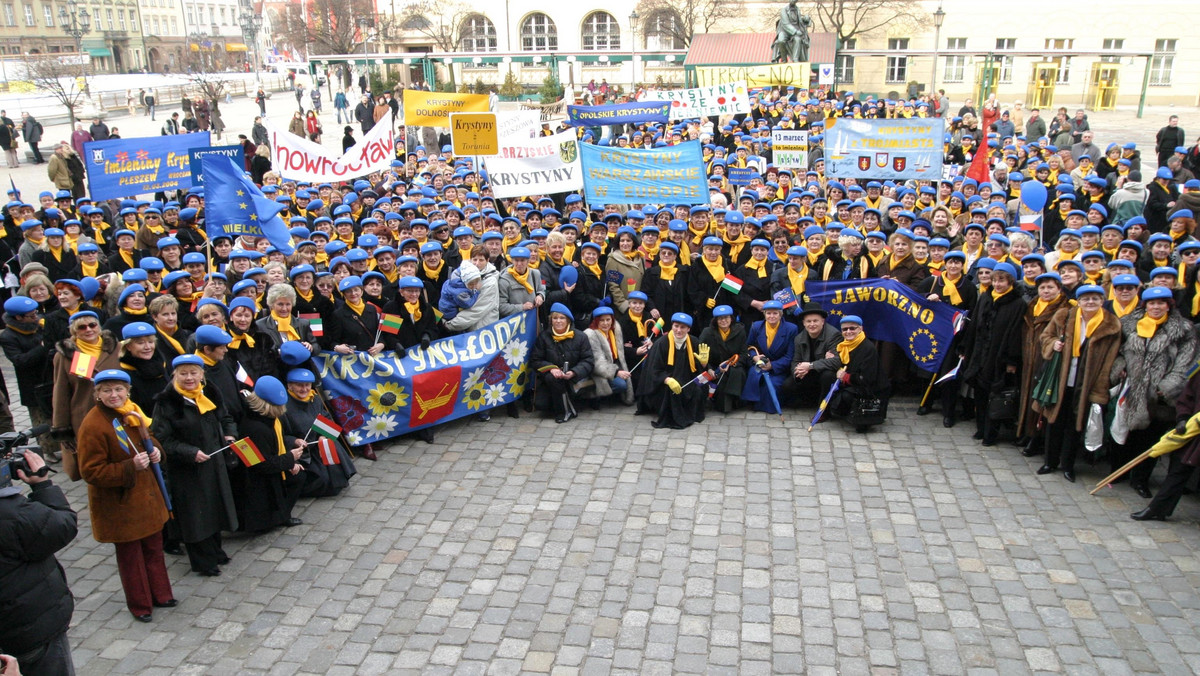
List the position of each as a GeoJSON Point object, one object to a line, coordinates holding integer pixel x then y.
{"type": "Point", "coordinates": [789, 148]}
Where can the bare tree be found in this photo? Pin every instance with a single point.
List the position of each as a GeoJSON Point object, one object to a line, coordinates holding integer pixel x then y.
{"type": "Point", "coordinates": [441, 22]}
{"type": "Point", "coordinates": [328, 27]}
{"type": "Point", "coordinates": [679, 20]}
{"type": "Point", "coordinates": [850, 18]}
{"type": "Point", "coordinates": [63, 77]}
{"type": "Point", "coordinates": [211, 84]}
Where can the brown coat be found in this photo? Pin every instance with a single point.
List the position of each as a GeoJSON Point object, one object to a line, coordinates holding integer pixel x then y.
{"type": "Point", "coordinates": [1031, 361]}
{"type": "Point", "coordinates": [125, 504]}
{"type": "Point", "coordinates": [909, 272]}
{"type": "Point", "coordinates": [73, 395]}
{"type": "Point", "coordinates": [1092, 376]}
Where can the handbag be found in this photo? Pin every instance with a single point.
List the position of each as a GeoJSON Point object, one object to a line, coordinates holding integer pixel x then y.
{"type": "Point", "coordinates": [866, 411]}
{"type": "Point", "coordinates": [1004, 404]}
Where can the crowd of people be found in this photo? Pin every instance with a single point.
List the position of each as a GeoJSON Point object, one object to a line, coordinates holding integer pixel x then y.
{"type": "Point", "coordinates": [153, 348]}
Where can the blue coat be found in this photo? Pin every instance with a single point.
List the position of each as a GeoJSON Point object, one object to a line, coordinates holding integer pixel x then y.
{"type": "Point", "coordinates": [780, 355]}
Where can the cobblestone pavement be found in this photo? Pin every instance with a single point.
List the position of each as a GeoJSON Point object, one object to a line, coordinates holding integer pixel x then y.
{"type": "Point", "coordinates": [736, 546]}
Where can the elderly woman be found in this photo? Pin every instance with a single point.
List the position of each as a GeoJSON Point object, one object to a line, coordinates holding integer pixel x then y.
{"type": "Point", "coordinates": [327, 464]}
{"type": "Point", "coordinates": [249, 347]}
{"type": "Point", "coordinates": [56, 255]}
{"type": "Point", "coordinates": [266, 491]}
{"type": "Point", "coordinates": [144, 363]}
{"type": "Point", "coordinates": [1157, 353]}
{"type": "Point", "coordinates": [1050, 299]}
{"type": "Point", "coordinates": [192, 423]}
{"type": "Point", "coordinates": [611, 373]}
{"type": "Point", "coordinates": [726, 338]}
{"type": "Point", "coordinates": [563, 360]}
{"type": "Point", "coordinates": [73, 396]}
{"type": "Point", "coordinates": [124, 498]}
{"type": "Point", "coordinates": [858, 368]}
{"type": "Point", "coordinates": [769, 344]}
{"type": "Point", "coordinates": [212, 312]}
{"type": "Point", "coordinates": [280, 325]}
{"type": "Point", "coordinates": [674, 361]}
{"type": "Point", "coordinates": [992, 345]}
{"type": "Point", "coordinates": [172, 340]}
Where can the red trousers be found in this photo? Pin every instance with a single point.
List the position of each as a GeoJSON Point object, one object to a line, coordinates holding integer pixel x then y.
{"type": "Point", "coordinates": [143, 573]}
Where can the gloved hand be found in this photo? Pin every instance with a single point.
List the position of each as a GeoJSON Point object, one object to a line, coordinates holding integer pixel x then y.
{"type": "Point", "coordinates": [702, 353]}
{"type": "Point", "coordinates": [425, 342]}
{"type": "Point", "coordinates": [1181, 427]}
{"type": "Point", "coordinates": [710, 303]}
{"type": "Point", "coordinates": [845, 378]}
{"type": "Point", "coordinates": [674, 385]}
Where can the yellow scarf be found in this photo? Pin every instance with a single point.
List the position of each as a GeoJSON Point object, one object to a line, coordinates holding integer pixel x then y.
{"type": "Point", "coordinates": [950, 286]}
{"type": "Point", "coordinates": [433, 273]}
{"type": "Point", "coordinates": [306, 296]}
{"type": "Point", "coordinates": [89, 269]}
{"type": "Point", "coordinates": [667, 272]}
{"type": "Point", "coordinates": [132, 415]}
{"type": "Point", "coordinates": [131, 311]}
{"type": "Point", "coordinates": [760, 266]}
{"type": "Point", "coordinates": [687, 344]}
{"type": "Point", "coordinates": [612, 343]}
{"type": "Point", "coordinates": [56, 251]}
{"type": "Point", "coordinates": [560, 337]}
{"type": "Point", "coordinates": [569, 252]}
{"type": "Point", "coordinates": [208, 361]}
{"type": "Point", "coordinates": [1082, 333]}
{"type": "Point", "coordinates": [307, 398]}
{"type": "Point", "coordinates": [894, 262]}
{"type": "Point", "coordinates": [724, 333]}
{"type": "Point", "coordinates": [798, 279]}
{"type": "Point", "coordinates": [594, 268]}
{"type": "Point", "coordinates": [998, 296]}
{"type": "Point", "coordinates": [845, 347]}
{"type": "Point", "coordinates": [637, 321]}
{"type": "Point", "coordinates": [414, 310]}
{"type": "Point", "coordinates": [1146, 326]}
{"type": "Point", "coordinates": [284, 324]}
{"type": "Point", "coordinates": [770, 331]}
{"type": "Point", "coordinates": [239, 339]}
{"type": "Point", "coordinates": [197, 395]}
{"type": "Point", "coordinates": [522, 279]}
{"type": "Point", "coordinates": [358, 307]}
{"type": "Point", "coordinates": [90, 349]}
{"type": "Point", "coordinates": [170, 340]}
{"type": "Point", "coordinates": [127, 256]}
{"type": "Point", "coordinates": [716, 269]}
{"type": "Point", "coordinates": [279, 443]}
{"type": "Point", "coordinates": [1122, 310]}
{"type": "Point", "coordinates": [1040, 306]}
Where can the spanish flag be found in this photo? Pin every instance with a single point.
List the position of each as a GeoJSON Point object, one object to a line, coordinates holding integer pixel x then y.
{"type": "Point", "coordinates": [247, 452]}
{"type": "Point", "coordinates": [83, 365]}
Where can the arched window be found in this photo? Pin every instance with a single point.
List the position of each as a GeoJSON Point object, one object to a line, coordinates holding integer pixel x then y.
{"type": "Point", "coordinates": [600, 31]}
{"type": "Point", "coordinates": [478, 34]}
{"type": "Point", "coordinates": [538, 33]}
{"type": "Point", "coordinates": [663, 30]}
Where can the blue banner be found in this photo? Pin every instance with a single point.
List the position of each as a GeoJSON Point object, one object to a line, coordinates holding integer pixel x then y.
{"type": "Point", "coordinates": [134, 166]}
{"type": "Point", "coordinates": [237, 152]}
{"type": "Point", "coordinates": [892, 312]}
{"type": "Point", "coordinates": [741, 175]}
{"type": "Point", "coordinates": [885, 149]}
{"type": "Point", "coordinates": [393, 393]}
{"type": "Point", "coordinates": [619, 113]}
{"type": "Point", "coordinates": [673, 174]}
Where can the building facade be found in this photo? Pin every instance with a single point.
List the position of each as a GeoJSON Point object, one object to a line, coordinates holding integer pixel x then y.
{"type": "Point", "coordinates": [163, 31]}
{"type": "Point", "coordinates": [214, 35]}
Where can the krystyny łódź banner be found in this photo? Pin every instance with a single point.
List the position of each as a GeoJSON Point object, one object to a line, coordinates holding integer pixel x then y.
{"type": "Point", "coordinates": [135, 166]}
{"type": "Point", "coordinates": [721, 99]}
{"type": "Point", "coordinates": [673, 174]}
{"type": "Point", "coordinates": [237, 152]}
{"type": "Point", "coordinates": [893, 312]}
{"type": "Point", "coordinates": [537, 166]}
{"type": "Point", "coordinates": [618, 113]}
{"type": "Point", "coordinates": [885, 149]}
{"type": "Point", "coordinates": [392, 393]}
{"type": "Point", "coordinates": [302, 160]}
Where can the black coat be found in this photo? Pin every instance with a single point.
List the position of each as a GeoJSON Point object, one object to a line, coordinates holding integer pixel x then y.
{"type": "Point", "coordinates": [753, 288]}
{"type": "Point", "coordinates": [147, 379]}
{"type": "Point", "coordinates": [993, 340]}
{"type": "Point", "coordinates": [260, 360]}
{"type": "Point", "coordinates": [350, 328]}
{"type": "Point", "coordinates": [668, 297]}
{"type": "Point", "coordinates": [412, 333]}
{"type": "Point", "coordinates": [33, 587]}
{"type": "Point", "coordinates": [575, 354]}
{"type": "Point", "coordinates": [200, 492]}
{"type": "Point", "coordinates": [701, 287]}
{"type": "Point", "coordinates": [320, 480]}
{"type": "Point", "coordinates": [263, 496]}
{"type": "Point", "coordinates": [59, 268]}
{"type": "Point", "coordinates": [32, 361]}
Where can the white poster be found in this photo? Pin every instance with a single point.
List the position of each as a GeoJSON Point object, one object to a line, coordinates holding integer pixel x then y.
{"type": "Point", "coordinates": [722, 99]}
{"type": "Point", "coordinates": [302, 160]}
{"type": "Point", "coordinates": [520, 123]}
{"type": "Point", "coordinates": [789, 148]}
{"type": "Point", "coordinates": [539, 166]}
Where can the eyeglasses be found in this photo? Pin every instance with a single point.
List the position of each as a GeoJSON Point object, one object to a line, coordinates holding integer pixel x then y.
{"type": "Point", "coordinates": [89, 325]}
{"type": "Point", "coordinates": [850, 329]}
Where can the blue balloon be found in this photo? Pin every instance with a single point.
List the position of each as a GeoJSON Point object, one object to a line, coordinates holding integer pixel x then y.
{"type": "Point", "coordinates": [1033, 194]}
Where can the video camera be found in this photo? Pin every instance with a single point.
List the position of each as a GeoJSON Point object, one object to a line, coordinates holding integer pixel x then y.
{"type": "Point", "coordinates": [13, 446]}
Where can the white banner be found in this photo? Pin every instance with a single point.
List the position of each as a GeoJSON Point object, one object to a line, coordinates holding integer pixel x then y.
{"type": "Point", "coordinates": [789, 148]}
{"type": "Point", "coordinates": [302, 160]}
{"type": "Point", "coordinates": [540, 166]}
{"type": "Point", "coordinates": [520, 123]}
{"type": "Point", "coordinates": [722, 99]}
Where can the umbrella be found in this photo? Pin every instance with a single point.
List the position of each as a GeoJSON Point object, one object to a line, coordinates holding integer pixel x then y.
{"type": "Point", "coordinates": [1045, 389]}
{"type": "Point", "coordinates": [1171, 441]}
{"type": "Point", "coordinates": [824, 403]}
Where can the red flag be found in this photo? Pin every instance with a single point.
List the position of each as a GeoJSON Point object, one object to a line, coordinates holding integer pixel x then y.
{"type": "Point", "coordinates": [979, 169]}
{"type": "Point", "coordinates": [327, 451]}
{"type": "Point", "coordinates": [434, 395]}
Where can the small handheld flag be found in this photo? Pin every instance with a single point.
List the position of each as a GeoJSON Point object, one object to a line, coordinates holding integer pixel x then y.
{"type": "Point", "coordinates": [655, 326]}
{"type": "Point", "coordinates": [327, 452]}
{"type": "Point", "coordinates": [315, 324]}
{"type": "Point", "coordinates": [952, 373]}
{"type": "Point", "coordinates": [83, 365]}
{"type": "Point", "coordinates": [438, 315]}
{"type": "Point", "coordinates": [326, 427]}
{"type": "Point", "coordinates": [391, 323]}
{"type": "Point", "coordinates": [731, 284]}
{"type": "Point", "coordinates": [243, 377]}
{"type": "Point", "coordinates": [787, 297]}
{"type": "Point", "coordinates": [247, 452]}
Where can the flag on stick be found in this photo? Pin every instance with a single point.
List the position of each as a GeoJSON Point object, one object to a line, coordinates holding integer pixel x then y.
{"type": "Point", "coordinates": [315, 324]}
{"type": "Point", "coordinates": [952, 373]}
{"type": "Point", "coordinates": [390, 324]}
{"type": "Point", "coordinates": [83, 365]}
{"type": "Point", "coordinates": [247, 452]}
{"type": "Point", "coordinates": [327, 452]}
{"type": "Point", "coordinates": [731, 284]}
{"type": "Point", "coordinates": [243, 377]}
{"type": "Point", "coordinates": [326, 427]}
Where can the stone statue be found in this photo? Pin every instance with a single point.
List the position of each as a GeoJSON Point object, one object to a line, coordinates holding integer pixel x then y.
{"type": "Point", "coordinates": [791, 35]}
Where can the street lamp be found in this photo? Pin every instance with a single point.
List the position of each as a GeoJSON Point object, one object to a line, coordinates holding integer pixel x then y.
{"type": "Point", "coordinates": [251, 26]}
{"type": "Point", "coordinates": [75, 21]}
{"type": "Point", "coordinates": [938, 17]}
{"type": "Point", "coordinates": [363, 24]}
{"type": "Point", "coordinates": [633, 17]}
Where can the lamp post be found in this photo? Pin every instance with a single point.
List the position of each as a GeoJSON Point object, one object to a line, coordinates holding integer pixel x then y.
{"type": "Point", "coordinates": [76, 22]}
{"type": "Point", "coordinates": [251, 26]}
{"type": "Point", "coordinates": [938, 17]}
{"type": "Point", "coordinates": [633, 17]}
{"type": "Point", "coordinates": [363, 24]}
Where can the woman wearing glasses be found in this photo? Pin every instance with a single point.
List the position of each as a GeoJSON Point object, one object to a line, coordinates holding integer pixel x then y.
{"type": "Point", "coordinates": [73, 392]}
{"type": "Point", "coordinates": [857, 367]}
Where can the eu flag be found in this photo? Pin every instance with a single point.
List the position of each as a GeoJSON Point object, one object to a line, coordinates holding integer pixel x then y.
{"type": "Point", "coordinates": [234, 206]}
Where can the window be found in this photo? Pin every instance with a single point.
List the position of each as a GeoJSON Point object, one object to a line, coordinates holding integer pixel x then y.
{"type": "Point", "coordinates": [157, 30]}
{"type": "Point", "coordinates": [48, 13]}
{"type": "Point", "coordinates": [538, 33]}
{"type": "Point", "coordinates": [897, 66]}
{"type": "Point", "coordinates": [189, 17]}
{"type": "Point", "coordinates": [10, 16]}
{"type": "Point", "coordinates": [843, 69]}
{"type": "Point", "coordinates": [224, 21]}
{"type": "Point", "coordinates": [600, 31]}
{"type": "Point", "coordinates": [1162, 62]}
{"type": "Point", "coordinates": [478, 34]}
{"type": "Point", "coordinates": [29, 20]}
{"type": "Point", "coordinates": [174, 27]}
{"type": "Point", "coordinates": [1064, 62]}
{"type": "Point", "coordinates": [1005, 63]}
{"type": "Point", "coordinates": [956, 64]}
{"type": "Point", "coordinates": [1114, 44]}
{"type": "Point", "coordinates": [110, 19]}
{"type": "Point", "coordinates": [121, 18]}
{"type": "Point", "coordinates": [662, 31]}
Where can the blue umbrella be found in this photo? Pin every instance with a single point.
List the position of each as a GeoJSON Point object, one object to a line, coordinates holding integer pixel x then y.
{"type": "Point", "coordinates": [824, 404]}
{"type": "Point", "coordinates": [754, 354]}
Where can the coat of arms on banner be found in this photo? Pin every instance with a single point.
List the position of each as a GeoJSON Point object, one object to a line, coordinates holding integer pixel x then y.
{"type": "Point", "coordinates": [898, 163]}
{"type": "Point", "coordinates": [881, 160]}
{"type": "Point", "coordinates": [568, 151]}
{"type": "Point", "coordinates": [864, 162]}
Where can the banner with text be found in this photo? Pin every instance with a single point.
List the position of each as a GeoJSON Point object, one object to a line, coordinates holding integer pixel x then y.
{"type": "Point", "coordinates": [633, 112]}
{"type": "Point", "coordinates": [789, 148]}
{"type": "Point", "coordinates": [302, 160]}
{"type": "Point", "coordinates": [135, 166]}
{"type": "Point", "coordinates": [885, 149]}
{"type": "Point", "coordinates": [195, 155]}
{"type": "Point", "coordinates": [765, 75]}
{"type": "Point", "coordinates": [394, 393]}
{"type": "Point", "coordinates": [538, 166]}
{"type": "Point", "coordinates": [432, 109]}
{"type": "Point", "coordinates": [893, 312]}
{"type": "Point", "coordinates": [673, 174]}
{"type": "Point", "coordinates": [721, 99]}
{"type": "Point", "coordinates": [519, 123]}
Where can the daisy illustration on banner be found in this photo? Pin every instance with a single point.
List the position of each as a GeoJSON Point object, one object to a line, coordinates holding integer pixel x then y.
{"type": "Point", "coordinates": [474, 396]}
{"type": "Point", "coordinates": [514, 352]}
{"type": "Point", "coordinates": [354, 438]}
{"type": "Point", "coordinates": [380, 425]}
{"type": "Point", "coordinates": [494, 395]}
{"type": "Point", "coordinates": [473, 379]}
{"type": "Point", "coordinates": [386, 397]}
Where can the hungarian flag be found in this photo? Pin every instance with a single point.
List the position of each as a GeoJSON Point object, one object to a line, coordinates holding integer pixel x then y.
{"type": "Point", "coordinates": [247, 452]}
{"type": "Point", "coordinates": [315, 323]}
{"type": "Point", "coordinates": [243, 377]}
{"type": "Point", "coordinates": [390, 324]}
{"type": "Point", "coordinates": [326, 427]}
{"type": "Point", "coordinates": [83, 365]}
{"type": "Point", "coordinates": [731, 284]}
{"type": "Point", "coordinates": [327, 452]}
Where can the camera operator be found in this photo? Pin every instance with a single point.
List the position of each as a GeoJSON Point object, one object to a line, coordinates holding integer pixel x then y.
{"type": "Point", "coordinates": [33, 587]}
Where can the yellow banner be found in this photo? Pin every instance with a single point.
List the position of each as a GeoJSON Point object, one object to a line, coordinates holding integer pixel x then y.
{"type": "Point", "coordinates": [432, 109]}
{"type": "Point", "coordinates": [766, 75]}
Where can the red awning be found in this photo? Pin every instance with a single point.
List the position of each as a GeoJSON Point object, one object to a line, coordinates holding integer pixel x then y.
{"type": "Point", "coordinates": [749, 49]}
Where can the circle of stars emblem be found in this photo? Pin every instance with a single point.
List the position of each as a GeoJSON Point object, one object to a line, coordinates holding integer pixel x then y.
{"type": "Point", "coordinates": [923, 346]}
